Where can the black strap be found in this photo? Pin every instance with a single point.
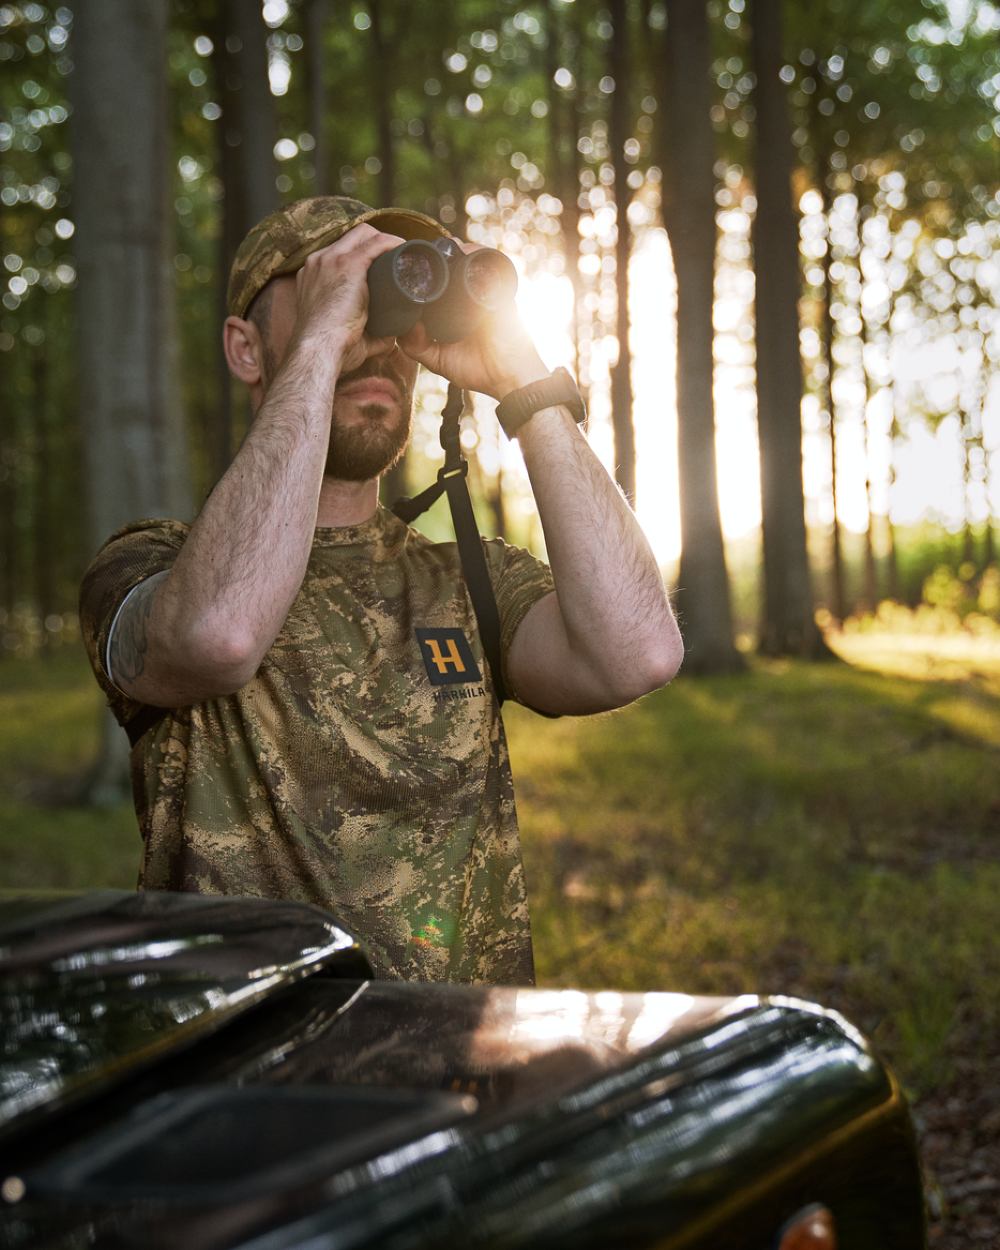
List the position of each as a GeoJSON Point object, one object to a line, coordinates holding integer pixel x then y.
{"type": "Point", "coordinates": [451, 479]}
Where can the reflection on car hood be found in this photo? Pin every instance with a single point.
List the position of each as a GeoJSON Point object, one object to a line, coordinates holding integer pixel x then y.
{"type": "Point", "coordinates": [92, 987]}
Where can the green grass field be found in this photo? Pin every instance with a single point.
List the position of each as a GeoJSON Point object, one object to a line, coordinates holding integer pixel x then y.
{"type": "Point", "coordinates": [826, 831]}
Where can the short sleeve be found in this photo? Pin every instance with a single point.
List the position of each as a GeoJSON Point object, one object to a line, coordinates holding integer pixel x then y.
{"type": "Point", "coordinates": [129, 557]}
{"type": "Point", "coordinates": [519, 581]}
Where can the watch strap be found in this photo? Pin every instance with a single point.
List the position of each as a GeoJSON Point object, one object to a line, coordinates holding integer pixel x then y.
{"type": "Point", "coordinates": [517, 408]}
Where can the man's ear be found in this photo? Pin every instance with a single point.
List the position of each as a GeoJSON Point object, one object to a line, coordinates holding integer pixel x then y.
{"type": "Point", "coordinates": [244, 350]}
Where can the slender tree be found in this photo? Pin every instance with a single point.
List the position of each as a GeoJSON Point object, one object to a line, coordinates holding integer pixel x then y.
{"type": "Point", "coordinates": [621, 371]}
{"type": "Point", "coordinates": [134, 448]}
{"type": "Point", "coordinates": [561, 46]}
{"type": "Point", "coordinates": [689, 215]}
{"type": "Point", "coordinates": [788, 626]}
{"type": "Point", "coordinates": [315, 14]}
{"type": "Point", "coordinates": [247, 135]}
{"type": "Point", "coordinates": [827, 336]}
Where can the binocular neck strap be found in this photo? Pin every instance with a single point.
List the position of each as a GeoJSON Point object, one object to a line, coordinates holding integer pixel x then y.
{"type": "Point", "coordinates": [451, 480]}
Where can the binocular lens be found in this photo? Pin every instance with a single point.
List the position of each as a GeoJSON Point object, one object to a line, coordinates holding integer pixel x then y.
{"type": "Point", "coordinates": [490, 278]}
{"type": "Point", "coordinates": [401, 284]}
{"type": "Point", "coordinates": [416, 274]}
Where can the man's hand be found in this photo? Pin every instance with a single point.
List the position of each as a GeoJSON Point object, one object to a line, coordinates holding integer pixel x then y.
{"type": "Point", "coordinates": [331, 294]}
{"type": "Point", "coordinates": [497, 358]}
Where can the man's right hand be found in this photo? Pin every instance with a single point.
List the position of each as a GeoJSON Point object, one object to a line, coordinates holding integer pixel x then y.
{"type": "Point", "coordinates": [331, 294]}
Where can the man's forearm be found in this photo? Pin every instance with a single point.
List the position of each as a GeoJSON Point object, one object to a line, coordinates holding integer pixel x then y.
{"type": "Point", "coordinates": [612, 601]}
{"type": "Point", "coordinates": [243, 562]}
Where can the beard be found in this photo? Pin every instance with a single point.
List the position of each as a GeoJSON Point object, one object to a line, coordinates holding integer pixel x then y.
{"type": "Point", "coordinates": [362, 449]}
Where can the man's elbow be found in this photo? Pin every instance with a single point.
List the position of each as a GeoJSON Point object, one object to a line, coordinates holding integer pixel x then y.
{"type": "Point", "coordinates": [655, 664]}
{"type": "Point", "coordinates": [221, 660]}
{"type": "Point", "coordinates": [662, 660]}
{"type": "Point", "coordinates": [666, 660]}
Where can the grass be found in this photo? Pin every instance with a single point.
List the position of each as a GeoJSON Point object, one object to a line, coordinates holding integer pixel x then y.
{"type": "Point", "coordinates": [826, 831]}
{"type": "Point", "coordinates": [49, 727]}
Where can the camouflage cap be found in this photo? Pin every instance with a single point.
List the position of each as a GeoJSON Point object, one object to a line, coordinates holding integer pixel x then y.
{"type": "Point", "coordinates": [282, 241]}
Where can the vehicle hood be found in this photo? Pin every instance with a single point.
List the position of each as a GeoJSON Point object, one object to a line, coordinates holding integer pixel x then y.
{"type": "Point", "coordinates": [93, 987]}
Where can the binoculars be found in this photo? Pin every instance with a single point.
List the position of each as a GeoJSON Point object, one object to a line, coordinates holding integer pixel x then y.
{"type": "Point", "coordinates": [437, 283]}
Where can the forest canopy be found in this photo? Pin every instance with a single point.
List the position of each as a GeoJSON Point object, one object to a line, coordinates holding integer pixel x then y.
{"type": "Point", "coordinates": [764, 236]}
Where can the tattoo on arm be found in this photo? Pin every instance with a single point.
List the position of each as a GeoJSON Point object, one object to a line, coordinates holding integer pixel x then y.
{"type": "Point", "coordinates": [129, 641]}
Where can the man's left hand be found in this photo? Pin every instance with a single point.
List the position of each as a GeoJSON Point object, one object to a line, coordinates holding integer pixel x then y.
{"type": "Point", "coordinates": [497, 358]}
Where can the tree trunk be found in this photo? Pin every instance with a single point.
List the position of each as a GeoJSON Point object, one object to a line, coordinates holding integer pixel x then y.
{"type": "Point", "coordinates": [394, 483]}
{"type": "Point", "coordinates": [871, 595]}
{"type": "Point", "coordinates": [989, 543]}
{"type": "Point", "coordinates": [788, 626]}
{"type": "Point", "coordinates": [687, 159]}
{"type": "Point", "coordinates": [565, 179]}
{"type": "Point", "coordinates": [247, 133]}
{"type": "Point", "coordinates": [135, 458]}
{"type": "Point", "coordinates": [315, 16]}
{"type": "Point", "coordinates": [828, 332]}
{"type": "Point", "coordinates": [892, 582]}
{"type": "Point", "coordinates": [621, 371]}
{"type": "Point", "coordinates": [44, 502]}
{"type": "Point", "coordinates": [380, 77]}
{"type": "Point", "coordinates": [10, 495]}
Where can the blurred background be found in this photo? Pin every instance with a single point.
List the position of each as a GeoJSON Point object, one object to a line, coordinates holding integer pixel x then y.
{"type": "Point", "coordinates": [766, 238]}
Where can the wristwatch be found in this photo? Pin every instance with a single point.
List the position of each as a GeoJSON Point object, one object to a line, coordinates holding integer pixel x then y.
{"type": "Point", "coordinates": [515, 409]}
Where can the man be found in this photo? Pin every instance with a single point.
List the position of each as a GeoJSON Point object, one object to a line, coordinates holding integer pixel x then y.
{"type": "Point", "coordinates": [299, 634]}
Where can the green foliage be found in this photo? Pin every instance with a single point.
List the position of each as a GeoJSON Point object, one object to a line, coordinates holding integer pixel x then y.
{"type": "Point", "coordinates": [965, 593]}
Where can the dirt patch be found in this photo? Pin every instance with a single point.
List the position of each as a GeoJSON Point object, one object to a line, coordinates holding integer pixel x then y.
{"type": "Point", "coordinates": [959, 1131]}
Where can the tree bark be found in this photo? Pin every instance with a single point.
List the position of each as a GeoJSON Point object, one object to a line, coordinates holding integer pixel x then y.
{"type": "Point", "coordinates": [135, 457]}
{"type": "Point", "coordinates": [787, 626]}
{"type": "Point", "coordinates": [315, 16]}
{"type": "Point", "coordinates": [565, 179]}
{"type": "Point", "coordinates": [687, 159]}
{"type": "Point", "coordinates": [43, 502]}
{"type": "Point", "coordinates": [621, 371]}
{"type": "Point", "coordinates": [892, 580]}
{"type": "Point", "coordinates": [247, 133]}
{"type": "Point", "coordinates": [871, 594]}
{"type": "Point", "coordinates": [10, 495]}
{"type": "Point", "coordinates": [380, 76]}
{"type": "Point", "coordinates": [828, 331]}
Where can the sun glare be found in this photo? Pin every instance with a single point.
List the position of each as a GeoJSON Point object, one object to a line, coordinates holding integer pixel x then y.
{"type": "Point", "coordinates": [928, 469]}
{"type": "Point", "coordinates": [545, 302]}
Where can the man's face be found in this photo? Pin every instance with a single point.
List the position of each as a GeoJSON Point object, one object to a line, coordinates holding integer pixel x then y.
{"type": "Point", "coordinates": [372, 405]}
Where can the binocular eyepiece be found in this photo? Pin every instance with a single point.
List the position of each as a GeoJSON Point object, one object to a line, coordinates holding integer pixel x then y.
{"type": "Point", "coordinates": [437, 283]}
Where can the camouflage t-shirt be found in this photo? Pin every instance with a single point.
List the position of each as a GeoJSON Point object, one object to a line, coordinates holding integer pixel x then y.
{"type": "Point", "coordinates": [364, 768]}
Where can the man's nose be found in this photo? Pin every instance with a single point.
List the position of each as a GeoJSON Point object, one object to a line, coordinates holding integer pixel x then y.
{"type": "Point", "coordinates": [378, 353]}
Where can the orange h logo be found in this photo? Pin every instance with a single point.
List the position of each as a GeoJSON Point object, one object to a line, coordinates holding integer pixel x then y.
{"type": "Point", "coordinates": [440, 660]}
{"type": "Point", "coordinates": [447, 656]}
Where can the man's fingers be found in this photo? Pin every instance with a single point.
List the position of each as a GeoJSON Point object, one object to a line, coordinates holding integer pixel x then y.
{"type": "Point", "coordinates": [363, 240]}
